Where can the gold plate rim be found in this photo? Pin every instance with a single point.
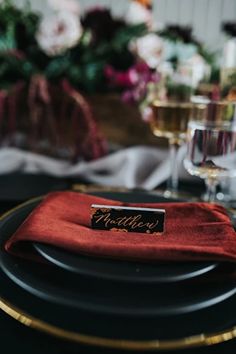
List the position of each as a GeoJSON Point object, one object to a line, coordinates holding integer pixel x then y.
{"type": "Point", "coordinates": [174, 344]}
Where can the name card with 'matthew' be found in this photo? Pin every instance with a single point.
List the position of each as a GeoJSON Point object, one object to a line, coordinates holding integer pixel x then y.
{"type": "Point", "coordinates": [127, 219]}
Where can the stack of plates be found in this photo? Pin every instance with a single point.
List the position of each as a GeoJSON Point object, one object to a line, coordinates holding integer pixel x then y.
{"type": "Point", "coordinates": [116, 304]}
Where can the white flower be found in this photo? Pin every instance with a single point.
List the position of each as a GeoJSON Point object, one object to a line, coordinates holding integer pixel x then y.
{"type": "Point", "coordinates": [185, 51]}
{"type": "Point", "coordinates": [182, 77]}
{"type": "Point", "coordinates": [146, 114]}
{"type": "Point", "coordinates": [149, 48]}
{"type": "Point", "coordinates": [198, 69]}
{"type": "Point", "coordinates": [58, 32]}
{"type": "Point", "coordinates": [65, 5]}
{"type": "Point", "coordinates": [229, 53]}
{"type": "Point", "coordinates": [137, 13]}
{"type": "Point", "coordinates": [165, 69]}
{"type": "Point", "coordinates": [180, 50]}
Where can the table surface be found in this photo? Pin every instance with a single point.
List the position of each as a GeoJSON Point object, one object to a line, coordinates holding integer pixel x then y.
{"type": "Point", "coordinates": [17, 338]}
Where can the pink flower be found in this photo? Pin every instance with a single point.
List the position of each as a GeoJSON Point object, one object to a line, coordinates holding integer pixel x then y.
{"type": "Point", "coordinates": [135, 80]}
{"type": "Point", "coordinates": [120, 78]}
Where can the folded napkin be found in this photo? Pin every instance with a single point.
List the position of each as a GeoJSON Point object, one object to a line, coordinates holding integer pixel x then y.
{"type": "Point", "coordinates": [193, 231]}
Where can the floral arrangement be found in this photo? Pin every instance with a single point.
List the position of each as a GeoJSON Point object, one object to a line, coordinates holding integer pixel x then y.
{"type": "Point", "coordinates": [64, 44]}
{"type": "Point", "coordinates": [93, 52]}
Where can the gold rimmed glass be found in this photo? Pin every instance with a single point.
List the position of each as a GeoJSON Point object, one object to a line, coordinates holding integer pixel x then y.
{"type": "Point", "coordinates": [211, 145]}
{"type": "Point", "coordinates": [170, 120]}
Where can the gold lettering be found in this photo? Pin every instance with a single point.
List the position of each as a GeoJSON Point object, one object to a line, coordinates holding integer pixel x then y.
{"type": "Point", "coordinates": [153, 225]}
{"type": "Point", "coordinates": [133, 222]}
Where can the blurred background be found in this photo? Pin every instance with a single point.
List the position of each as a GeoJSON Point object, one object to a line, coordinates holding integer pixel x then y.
{"type": "Point", "coordinates": [205, 16]}
{"type": "Point", "coordinates": [79, 78]}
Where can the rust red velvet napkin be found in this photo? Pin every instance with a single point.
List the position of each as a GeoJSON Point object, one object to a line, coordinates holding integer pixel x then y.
{"type": "Point", "coordinates": [193, 231]}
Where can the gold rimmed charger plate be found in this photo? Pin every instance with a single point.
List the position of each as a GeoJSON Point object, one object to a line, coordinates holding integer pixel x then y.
{"type": "Point", "coordinates": [123, 344]}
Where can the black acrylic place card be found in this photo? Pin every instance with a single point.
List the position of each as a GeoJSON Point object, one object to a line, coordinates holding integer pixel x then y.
{"type": "Point", "coordinates": [128, 219]}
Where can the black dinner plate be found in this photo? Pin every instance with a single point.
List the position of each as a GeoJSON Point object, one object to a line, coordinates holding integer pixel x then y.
{"type": "Point", "coordinates": [40, 314]}
{"type": "Point", "coordinates": [57, 286]}
{"type": "Point", "coordinates": [101, 268]}
{"type": "Point", "coordinates": [121, 270]}
{"type": "Point", "coordinates": [91, 327]}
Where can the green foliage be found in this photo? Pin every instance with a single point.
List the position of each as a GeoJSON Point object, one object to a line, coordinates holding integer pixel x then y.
{"type": "Point", "coordinates": [16, 24]}
{"type": "Point", "coordinates": [215, 74]}
{"type": "Point", "coordinates": [57, 67]}
{"type": "Point", "coordinates": [83, 65]}
{"type": "Point", "coordinates": [123, 37]}
{"type": "Point", "coordinates": [179, 92]}
{"type": "Point", "coordinates": [232, 79]}
{"type": "Point", "coordinates": [208, 56]}
{"type": "Point", "coordinates": [231, 83]}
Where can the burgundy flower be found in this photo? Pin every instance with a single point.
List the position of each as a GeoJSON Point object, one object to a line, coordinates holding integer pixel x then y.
{"type": "Point", "coordinates": [229, 28]}
{"type": "Point", "coordinates": [120, 78]}
{"type": "Point", "coordinates": [134, 80]}
{"type": "Point", "coordinates": [100, 22]}
{"type": "Point", "coordinates": [18, 54]}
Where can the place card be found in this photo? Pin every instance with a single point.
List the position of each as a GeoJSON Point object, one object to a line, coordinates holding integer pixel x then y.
{"type": "Point", "coordinates": [127, 219]}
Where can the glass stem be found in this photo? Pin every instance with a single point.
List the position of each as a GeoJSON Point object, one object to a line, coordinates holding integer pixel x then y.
{"type": "Point", "coordinates": [173, 181]}
{"type": "Point", "coordinates": [211, 184]}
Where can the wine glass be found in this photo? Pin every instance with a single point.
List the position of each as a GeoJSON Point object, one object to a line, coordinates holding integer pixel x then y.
{"type": "Point", "coordinates": [211, 145]}
{"type": "Point", "coordinates": [170, 120]}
